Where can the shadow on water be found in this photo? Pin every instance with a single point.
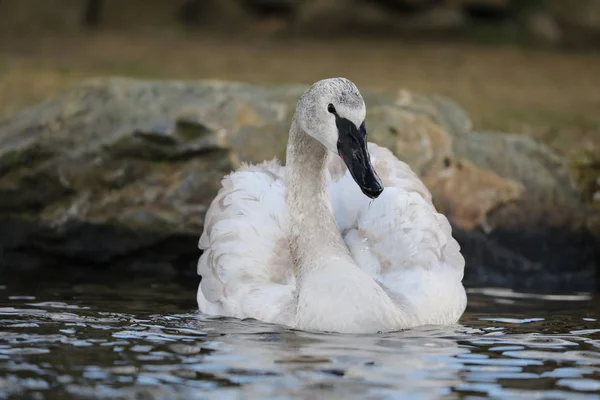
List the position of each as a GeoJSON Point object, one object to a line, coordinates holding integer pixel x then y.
{"type": "Point", "coordinates": [144, 339]}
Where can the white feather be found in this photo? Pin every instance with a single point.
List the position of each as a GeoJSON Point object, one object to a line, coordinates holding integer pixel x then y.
{"type": "Point", "coordinates": [398, 239]}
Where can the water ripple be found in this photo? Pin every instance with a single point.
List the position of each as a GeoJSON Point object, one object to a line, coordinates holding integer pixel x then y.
{"type": "Point", "coordinates": [90, 348]}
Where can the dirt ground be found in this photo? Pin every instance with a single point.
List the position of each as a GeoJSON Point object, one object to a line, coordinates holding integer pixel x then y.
{"type": "Point", "coordinates": [554, 96]}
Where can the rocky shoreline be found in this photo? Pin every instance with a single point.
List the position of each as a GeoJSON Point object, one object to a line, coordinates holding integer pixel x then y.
{"type": "Point", "coordinates": [538, 23]}
{"type": "Point", "coordinates": [116, 174]}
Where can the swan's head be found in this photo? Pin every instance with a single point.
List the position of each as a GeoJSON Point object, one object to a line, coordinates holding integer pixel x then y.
{"type": "Point", "coordinates": [333, 112]}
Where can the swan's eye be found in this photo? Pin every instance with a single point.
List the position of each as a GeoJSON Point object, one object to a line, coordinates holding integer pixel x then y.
{"type": "Point", "coordinates": [331, 108]}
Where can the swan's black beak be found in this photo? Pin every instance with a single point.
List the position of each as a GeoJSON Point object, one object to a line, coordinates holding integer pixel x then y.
{"type": "Point", "coordinates": [352, 147]}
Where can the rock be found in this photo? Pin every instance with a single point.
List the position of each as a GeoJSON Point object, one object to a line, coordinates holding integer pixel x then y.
{"type": "Point", "coordinates": [542, 28]}
{"type": "Point", "coordinates": [457, 193]}
{"type": "Point", "coordinates": [406, 4]}
{"type": "Point", "coordinates": [52, 15]}
{"type": "Point", "coordinates": [319, 17]}
{"type": "Point", "coordinates": [586, 168]}
{"type": "Point", "coordinates": [572, 23]}
{"type": "Point", "coordinates": [436, 19]}
{"type": "Point", "coordinates": [484, 3]}
{"type": "Point", "coordinates": [332, 18]}
{"type": "Point", "coordinates": [271, 6]}
{"type": "Point", "coordinates": [549, 187]}
{"type": "Point", "coordinates": [489, 10]}
{"type": "Point", "coordinates": [537, 222]}
{"type": "Point", "coordinates": [580, 14]}
{"type": "Point", "coordinates": [117, 174]}
{"type": "Point", "coordinates": [577, 21]}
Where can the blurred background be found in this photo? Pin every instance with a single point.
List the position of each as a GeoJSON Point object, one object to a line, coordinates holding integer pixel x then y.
{"type": "Point", "coordinates": [104, 186]}
{"type": "Point", "coordinates": [527, 66]}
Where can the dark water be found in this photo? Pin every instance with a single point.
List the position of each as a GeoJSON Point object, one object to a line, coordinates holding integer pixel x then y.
{"type": "Point", "coordinates": [143, 339]}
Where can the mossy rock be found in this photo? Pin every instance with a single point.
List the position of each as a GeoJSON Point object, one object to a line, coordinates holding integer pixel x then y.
{"type": "Point", "coordinates": [115, 171]}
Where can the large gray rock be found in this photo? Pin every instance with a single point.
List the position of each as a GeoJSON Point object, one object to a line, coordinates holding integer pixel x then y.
{"type": "Point", "coordinates": [580, 19]}
{"type": "Point", "coordinates": [117, 173]}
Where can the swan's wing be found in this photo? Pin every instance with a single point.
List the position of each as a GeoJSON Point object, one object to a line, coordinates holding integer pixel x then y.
{"type": "Point", "coordinates": [346, 197]}
{"type": "Point", "coordinates": [399, 239]}
{"type": "Point", "coordinates": [246, 268]}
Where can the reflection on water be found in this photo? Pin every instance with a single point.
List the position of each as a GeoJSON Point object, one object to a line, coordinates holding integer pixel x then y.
{"type": "Point", "coordinates": [145, 340]}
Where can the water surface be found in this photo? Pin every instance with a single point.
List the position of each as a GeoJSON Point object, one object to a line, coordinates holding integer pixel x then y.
{"type": "Point", "coordinates": [144, 339]}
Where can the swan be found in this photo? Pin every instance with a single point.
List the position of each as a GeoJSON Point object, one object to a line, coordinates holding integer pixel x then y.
{"type": "Point", "coordinates": [344, 238]}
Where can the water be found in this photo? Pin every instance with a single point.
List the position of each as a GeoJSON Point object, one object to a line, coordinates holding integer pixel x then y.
{"type": "Point", "coordinates": [143, 339]}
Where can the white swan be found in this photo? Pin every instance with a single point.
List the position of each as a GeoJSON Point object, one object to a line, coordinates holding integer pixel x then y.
{"type": "Point", "coordinates": [303, 247]}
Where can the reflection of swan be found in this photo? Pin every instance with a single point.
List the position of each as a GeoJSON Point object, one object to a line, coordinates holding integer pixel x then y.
{"type": "Point", "coordinates": [422, 363]}
{"type": "Point", "coordinates": [301, 246]}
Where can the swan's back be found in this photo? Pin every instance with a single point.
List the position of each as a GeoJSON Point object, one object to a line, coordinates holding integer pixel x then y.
{"type": "Point", "coordinates": [400, 240]}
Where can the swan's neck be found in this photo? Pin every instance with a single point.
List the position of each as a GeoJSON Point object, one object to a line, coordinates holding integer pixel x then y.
{"type": "Point", "coordinates": [315, 237]}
